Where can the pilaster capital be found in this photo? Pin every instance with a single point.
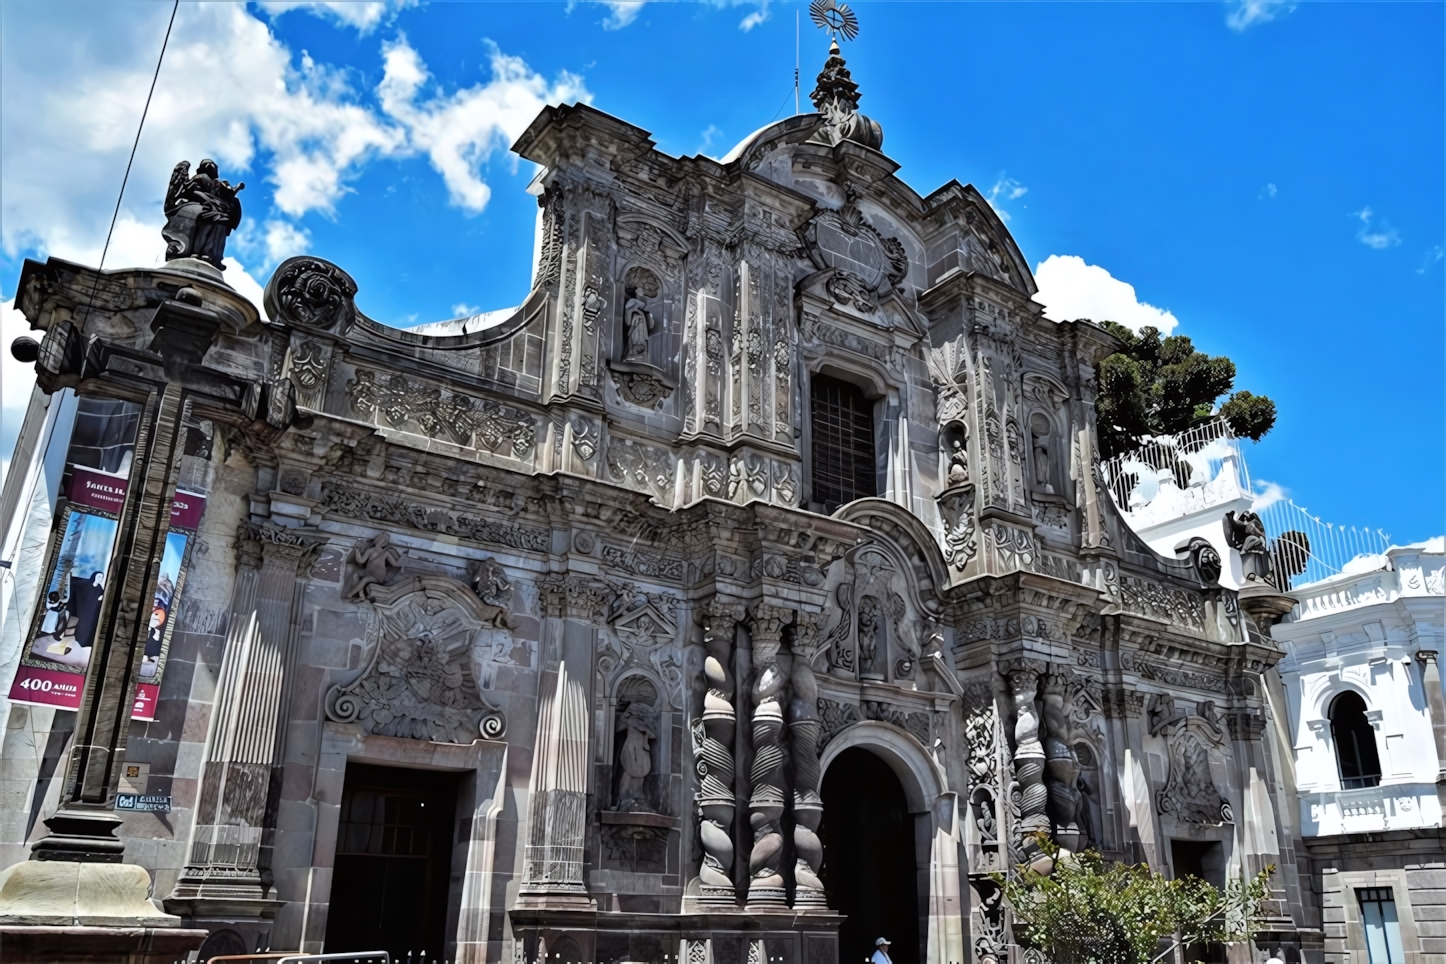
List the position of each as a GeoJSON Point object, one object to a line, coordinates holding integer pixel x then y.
{"type": "Point", "coordinates": [261, 545]}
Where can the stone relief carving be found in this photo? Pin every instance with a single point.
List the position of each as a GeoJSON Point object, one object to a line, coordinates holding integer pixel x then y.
{"type": "Point", "coordinates": [377, 561]}
{"type": "Point", "coordinates": [960, 545]}
{"type": "Point", "coordinates": [348, 500]}
{"type": "Point", "coordinates": [713, 734]}
{"type": "Point", "coordinates": [1190, 793]}
{"type": "Point", "coordinates": [418, 681]}
{"type": "Point", "coordinates": [440, 413]}
{"type": "Point", "coordinates": [642, 467]}
{"type": "Point", "coordinates": [1169, 604]}
{"type": "Point", "coordinates": [311, 292]}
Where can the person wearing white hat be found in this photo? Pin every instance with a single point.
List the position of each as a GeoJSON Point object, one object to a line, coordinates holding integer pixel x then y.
{"type": "Point", "coordinates": [881, 952]}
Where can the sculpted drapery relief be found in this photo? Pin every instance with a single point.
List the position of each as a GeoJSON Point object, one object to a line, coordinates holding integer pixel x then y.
{"type": "Point", "coordinates": [873, 630]}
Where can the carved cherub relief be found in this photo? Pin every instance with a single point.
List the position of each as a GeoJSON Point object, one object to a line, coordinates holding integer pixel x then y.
{"type": "Point", "coordinates": [377, 560]}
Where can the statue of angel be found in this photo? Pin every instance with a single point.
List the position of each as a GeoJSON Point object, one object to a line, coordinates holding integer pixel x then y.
{"type": "Point", "coordinates": [201, 212]}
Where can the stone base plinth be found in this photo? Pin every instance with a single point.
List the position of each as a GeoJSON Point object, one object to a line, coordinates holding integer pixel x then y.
{"type": "Point", "coordinates": [69, 893]}
{"type": "Point", "coordinates": [20, 944]}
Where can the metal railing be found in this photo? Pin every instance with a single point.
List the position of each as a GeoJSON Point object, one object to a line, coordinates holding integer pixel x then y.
{"type": "Point", "coordinates": [1311, 549]}
{"type": "Point", "coordinates": [1190, 460]}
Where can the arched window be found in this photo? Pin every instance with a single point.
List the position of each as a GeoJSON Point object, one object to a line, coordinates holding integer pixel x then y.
{"type": "Point", "coordinates": [843, 442]}
{"type": "Point", "coordinates": [1355, 741]}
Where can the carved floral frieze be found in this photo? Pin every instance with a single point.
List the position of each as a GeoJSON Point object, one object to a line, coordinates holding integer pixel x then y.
{"type": "Point", "coordinates": [439, 413]}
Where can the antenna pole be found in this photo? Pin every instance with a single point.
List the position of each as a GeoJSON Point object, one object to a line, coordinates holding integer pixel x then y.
{"type": "Point", "coordinates": [795, 61]}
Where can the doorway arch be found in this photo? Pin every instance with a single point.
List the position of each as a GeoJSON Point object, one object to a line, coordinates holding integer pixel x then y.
{"type": "Point", "coordinates": [870, 870]}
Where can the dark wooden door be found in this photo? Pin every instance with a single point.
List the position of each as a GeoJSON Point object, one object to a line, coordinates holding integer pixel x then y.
{"type": "Point", "coordinates": [393, 853]}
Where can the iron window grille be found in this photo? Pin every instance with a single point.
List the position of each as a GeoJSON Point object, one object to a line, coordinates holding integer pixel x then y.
{"type": "Point", "coordinates": [842, 420]}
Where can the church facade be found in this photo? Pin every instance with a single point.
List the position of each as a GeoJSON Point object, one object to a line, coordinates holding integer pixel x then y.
{"type": "Point", "coordinates": [749, 592]}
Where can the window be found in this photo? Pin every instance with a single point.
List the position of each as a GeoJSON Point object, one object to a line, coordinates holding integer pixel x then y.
{"type": "Point", "coordinates": [1355, 741]}
{"type": "Point", "coordinates": [1383, 931]}
{"type": "Point", "coordinates": [843, 443]}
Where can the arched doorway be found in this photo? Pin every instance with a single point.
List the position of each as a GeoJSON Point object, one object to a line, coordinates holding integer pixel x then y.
{"type": "Point", "coordinates": [869, 870]}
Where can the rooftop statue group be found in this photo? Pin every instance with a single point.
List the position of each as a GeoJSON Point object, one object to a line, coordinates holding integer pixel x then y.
{"type": "Point", "coordinates": [201, 211]}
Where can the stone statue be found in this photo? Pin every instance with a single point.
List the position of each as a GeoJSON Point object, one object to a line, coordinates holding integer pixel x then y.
{"type": "Point", "coordinates": [958, 456]}
{"type": "Point", "coordinates": [869, 616]}
{"type": "Point", "coordinates": [201, 212]}
{"type": "Point", "coordinates": [639, 721]}
{"type": "Point", "coordinates": [1245, 532]}
{"type": "Point", "coordinates": [640, 325]}
{"type": "Point", "coordinates": [377, 558]}
{"type": "Point", "coordinates": [1039, 438]}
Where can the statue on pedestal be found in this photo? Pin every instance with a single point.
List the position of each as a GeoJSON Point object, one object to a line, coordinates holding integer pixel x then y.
{"type": "Point", "coordinates": [201, 212]}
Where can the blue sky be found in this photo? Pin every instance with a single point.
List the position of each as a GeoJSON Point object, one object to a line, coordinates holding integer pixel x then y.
{"type": "Point", "coordinates": [1268, 175]}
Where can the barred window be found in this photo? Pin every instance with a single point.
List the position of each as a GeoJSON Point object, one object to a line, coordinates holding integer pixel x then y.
{"type": "Point", "coordinates": [843, 443]}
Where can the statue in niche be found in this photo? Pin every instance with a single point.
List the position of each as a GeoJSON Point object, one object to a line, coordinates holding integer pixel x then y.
{"type": "Point", "coordinates": [201, 212]}
{"type": "Point", "coordinates": [870, 629]}
{"type": "Point", "coordinates": [956, 445]}
{"type": "Point", "coordinates": [639, 322]}
{"type": "Point", "coordinates": [1089, 787]}
{"type": "Point", "coordinates": [637, 724]}
{"type": "Point", "coordinates": [1039, 443]}
{"type": "Point", "coordinates": [377, 559]}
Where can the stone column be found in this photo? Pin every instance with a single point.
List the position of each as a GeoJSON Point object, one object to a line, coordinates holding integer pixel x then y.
{"type": "Point", "coordinates": [803, 727]}
{"type": "Point", "coordinates": [714, 754]}
{"type": "Point", "coordinates": [557, 798]}
{"type": "Point", "coordinates": [228, 872]}
{"type": "Point", "coordinates": [1436, 703]}
{"type": "Point", "coordinates": [766, 803]}
{"type": "Point", "coordinates": [75, 874]}
{"type": "Point", "coordinates": [1028, 754]}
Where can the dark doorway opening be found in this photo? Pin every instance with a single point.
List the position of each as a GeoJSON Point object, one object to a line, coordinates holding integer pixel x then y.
{"type": "Point", "coordinates": [389, 889]}
{"type": "Point", "coordinates": [1204, 859]}
{"type": "Point", "coordinates": [869, 873]}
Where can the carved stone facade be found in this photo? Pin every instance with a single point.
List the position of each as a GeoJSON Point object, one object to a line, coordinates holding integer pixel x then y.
{"type": "Point", "coordinates": [574, 562]}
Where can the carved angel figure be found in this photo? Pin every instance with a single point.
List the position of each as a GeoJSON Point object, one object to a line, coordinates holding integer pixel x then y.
{"type": "Point", "coordinates": [1245, 532]}
{"type": "Point", "coordinates": [201, 212]}
{"type": "Point", "coordinates": [377, 558]}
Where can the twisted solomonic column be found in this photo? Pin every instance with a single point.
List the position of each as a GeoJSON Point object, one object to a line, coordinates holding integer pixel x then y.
{"type": "Point", "coordinates": [766, 803]}
{"type": "Point", "coordinates": [1028, 755]}
{"type": "Point", "coordinates": [803, 730]}
{"type": "Point", "coordinates": [714, 756]}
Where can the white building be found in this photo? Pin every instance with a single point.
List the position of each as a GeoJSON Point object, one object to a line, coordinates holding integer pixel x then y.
{"type": "Point", "coordinates": [1356, 701]}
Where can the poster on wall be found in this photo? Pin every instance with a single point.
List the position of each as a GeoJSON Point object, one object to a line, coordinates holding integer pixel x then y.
{"type": "Point", "coordinates": [185, 517]}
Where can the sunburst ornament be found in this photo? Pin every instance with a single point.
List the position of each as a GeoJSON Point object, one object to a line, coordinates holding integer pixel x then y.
{"type": "Point", "coordinates": [836, 19]}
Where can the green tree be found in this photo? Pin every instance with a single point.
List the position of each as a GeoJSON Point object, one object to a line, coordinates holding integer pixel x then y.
{"type": "Point", "coordinates": [1163, 386]}
{"type": "Point", "coordinates": [1087, 910]}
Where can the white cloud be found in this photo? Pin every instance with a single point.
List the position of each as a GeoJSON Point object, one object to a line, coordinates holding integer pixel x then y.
{"type": "Point", "coordinates": [706, 139]}
{"type": "Point", "coordinates": [1433, 255]}
{"type": "Point", "coordinates": [624, 12]}
{"type": "Point", "coordinates": [753, 19]}
{"type": "Point", "coordinates": [460, 131]}
{"type": "Point", "coordinates": [1268, 192]}
{"type": "Point", "coordinates": [1268, 494]}
{"type": "Point", "coordinates": [463, 310]}
{"type": "Point", "coordinates": [1245, 14]}
{"type": "Point", "coordinates": [364, 15]}
{"type": "Point", "coordinates": [1005, 189]}
{"type": "Point", "coordinates": [284, 240]}
{"type": "Point", "coordinates": [1071, 289]}
{"type": "Point", "coordinates": [1378, 235]}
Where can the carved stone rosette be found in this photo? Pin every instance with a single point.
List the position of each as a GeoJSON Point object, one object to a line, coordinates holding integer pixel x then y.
{"type": "Point", "coordinates": [713, 742]}
{"type": "Point", "coordinates": [766, 804]}
{"type": "Point", "coordinates": [803, 729]}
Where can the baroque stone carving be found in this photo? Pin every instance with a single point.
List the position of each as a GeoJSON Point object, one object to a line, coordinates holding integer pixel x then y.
{"type": "Point", "coordinates": [1029, 796]}
{"type": "Point", "coordinates": [441, 413]}
{"type": "Point", "coordinates": [1245, 532]}
{"type": "Point", "coordinates": [959, 527]}
{"type": "Point", "coordinates": [418, 682]}
{"type": "Point", "coordinates": [804, 728]}
{"type": "Point", "coordinates": [713, 734]}
{"type": "Point", "coordinates": [766, 803]}
{"type": "Point", "coordinates": [1190, 793]}
{"type": "Point", "coordinates": [377, 560]}
{"type": "Point", "coordinates": [356, 503]}
{"type": "Point", "coordinates": [311, 292]}
{"type": "Point", "coordinates": [1168, 604]}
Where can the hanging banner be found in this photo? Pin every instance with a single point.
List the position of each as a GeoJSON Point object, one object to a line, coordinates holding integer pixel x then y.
{"type": "Point", "coordinates": [52, 669]}
{"type": "Point", "coordinates": [186, 513]}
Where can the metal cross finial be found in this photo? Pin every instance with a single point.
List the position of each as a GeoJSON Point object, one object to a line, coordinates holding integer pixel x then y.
{"type": "Point", "coordinates": [835, 18]}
